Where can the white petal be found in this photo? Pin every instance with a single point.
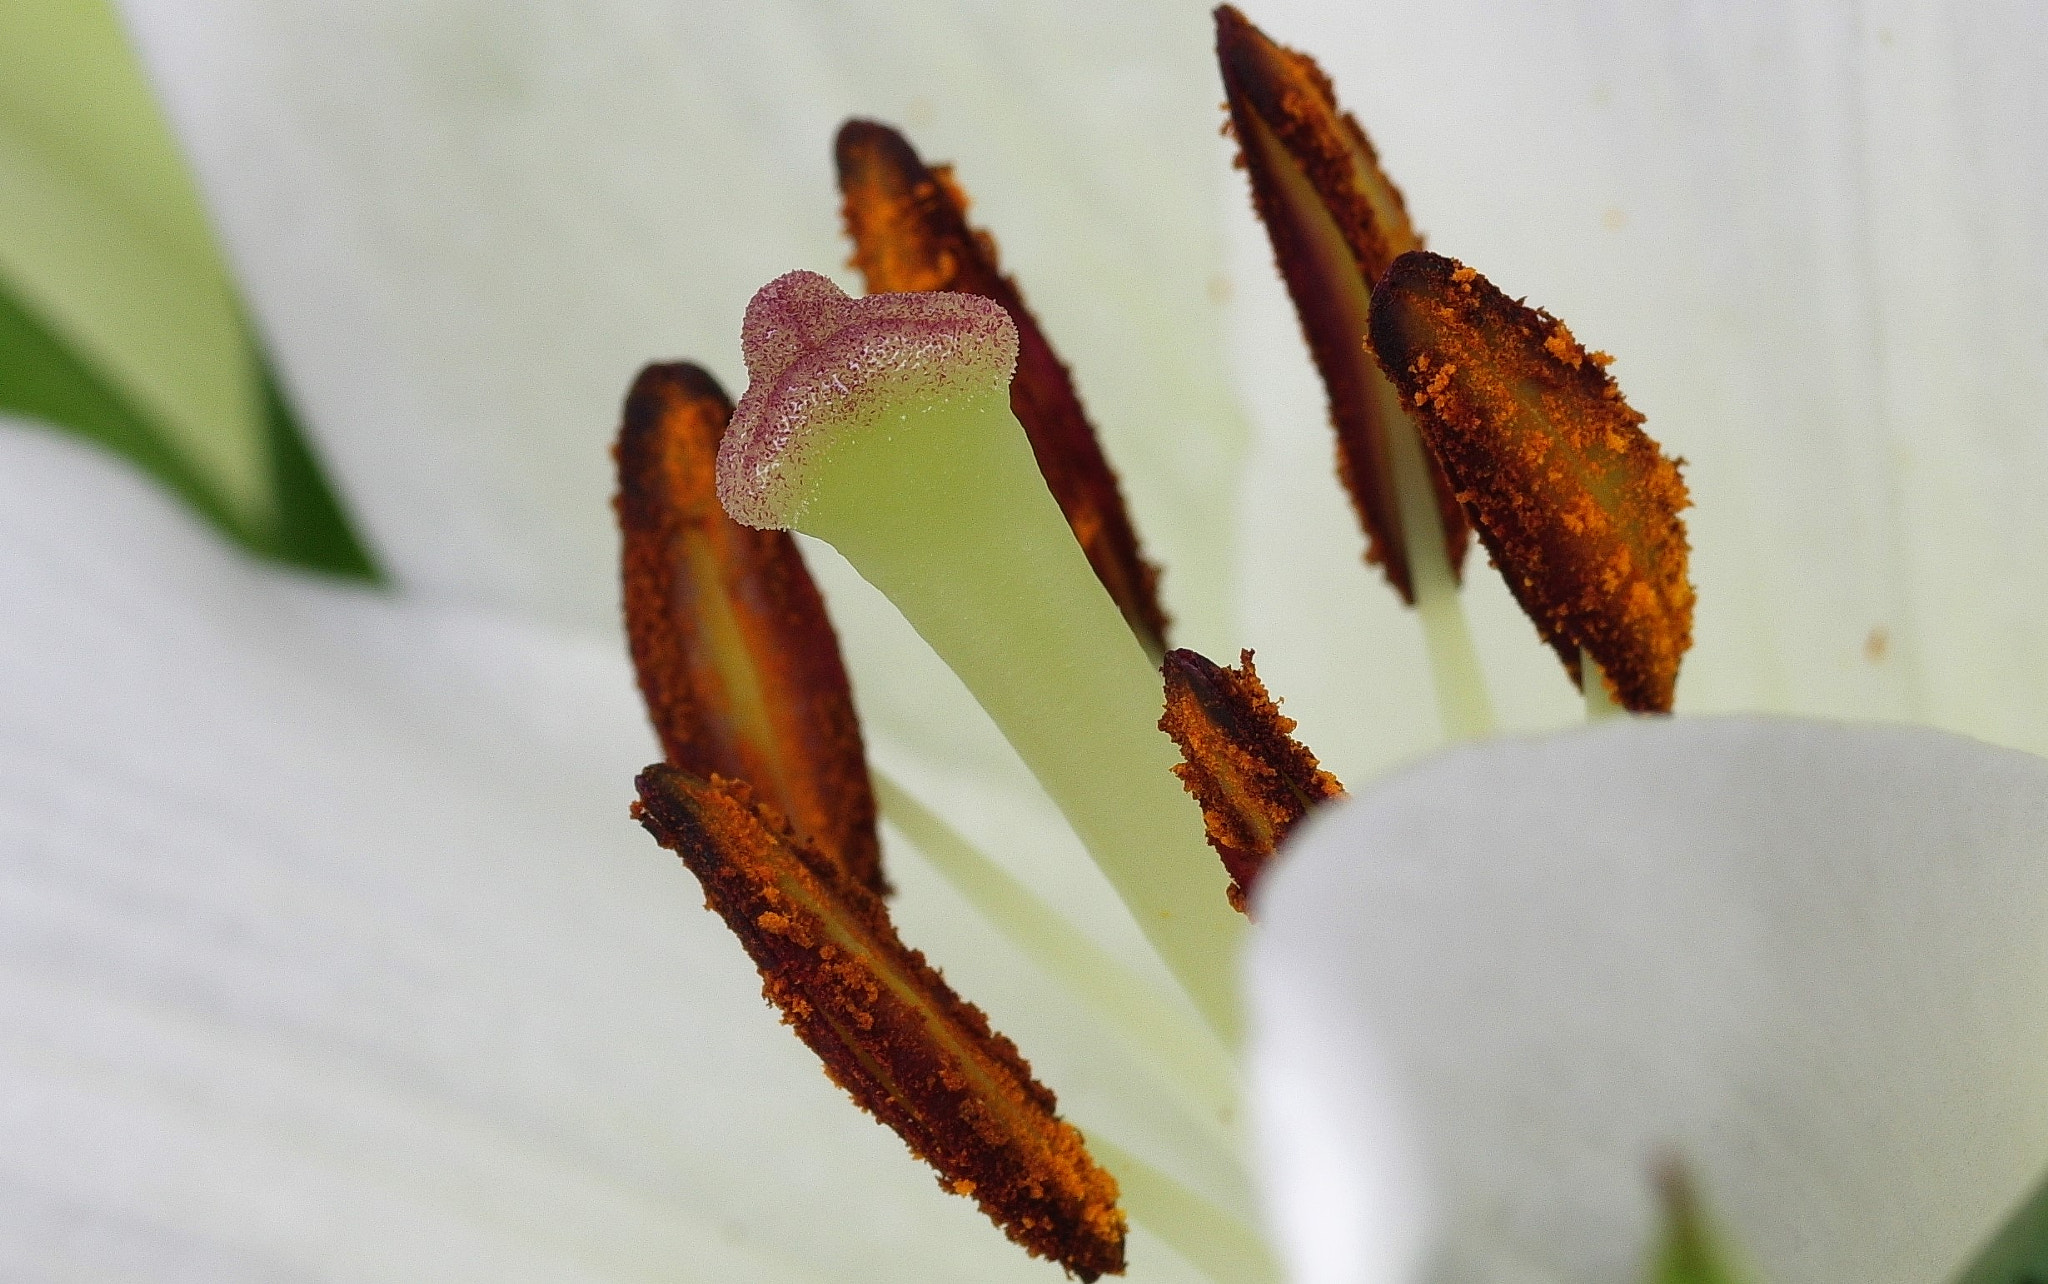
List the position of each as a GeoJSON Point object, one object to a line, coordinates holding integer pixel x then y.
{"type": "Point", "coordinates": [1809, 961]}
{"type": "Point", "coordinates": [327, 949]}
{"type": "Point", "coordinates": [464, 226]}
{"type": "Point", "coordinates": [1811, 233]}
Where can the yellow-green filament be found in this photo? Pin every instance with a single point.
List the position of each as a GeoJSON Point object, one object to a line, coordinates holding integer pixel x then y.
{"type": "Point", "coordinates": [1221, 1245]}
{"type": "Point", "coordinates": [1153, 1022]}
{"type": "Point", "coordinates": [1600, 705]}
{"type": "Point", "coordinates": [1461, 698]}
{"type": "Point", "coordinates": [1462, 703]}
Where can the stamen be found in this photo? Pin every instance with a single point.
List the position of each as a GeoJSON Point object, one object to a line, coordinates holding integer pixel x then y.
{"type": "Point", "coordinates": [1574, 501]}
{"type": "Point", "coordinates": [1254, 780]}
{"type": "Point", "coordinates": [882, 425]}
{"type": "Point", "coordinates": [1335, 221]}
{"type": "Point", "coordinates": [736, 656]}
{"type": "Point", "coordinates": [888, 1028]}
{"type": "Point", "coordinates": [910, 233]}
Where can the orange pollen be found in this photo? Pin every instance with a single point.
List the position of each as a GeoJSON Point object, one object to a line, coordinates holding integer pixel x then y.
{"type": "Point", "coordinates": [1240, 760]}
{"type": "Point", "coordinates": [1575, 502]}
{"type": "Point", "coordinates": [887, 1027]}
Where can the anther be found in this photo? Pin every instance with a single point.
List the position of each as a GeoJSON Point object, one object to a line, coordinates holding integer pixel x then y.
{"type": "Point", "coordinates": [736, 658]}
{"type": "Point", "coordinates": [1575, 502]}
{"type": "Point", "coordinates": [1241, 762]}
{"type": "Point", "coordinates": [1335, 222]}
{"type": "Point", "coordinates": [888, 1028]}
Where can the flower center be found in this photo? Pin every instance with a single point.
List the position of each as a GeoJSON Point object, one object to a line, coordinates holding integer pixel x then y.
{"type": "Point", "coordinates": [931, 435]}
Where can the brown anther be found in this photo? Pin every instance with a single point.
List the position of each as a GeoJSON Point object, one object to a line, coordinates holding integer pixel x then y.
{"type": "Point", "coordinates": [888, 1028]}
{"type": "Point", "coordinates": [736, 656]}
{"type": "Point", "coordinates": [1575, 502]}
{"type": "Point", "coordinates": [1335, 222]}
{"type": "Point", "coordinates": [1241, 762]}
{"type": "Point", "coordinates": [908, 223]}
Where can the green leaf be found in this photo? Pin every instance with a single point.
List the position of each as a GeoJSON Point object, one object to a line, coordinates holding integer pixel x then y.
{"type": "Point", "coordinates": [118, 319]}
{"type": "Point", "coordinates": [104, 242]}
{"type": "Point", "coordinates": [2018, 1253]}
{"type": "Point", "coordinates": [312, 529]}
{"type": "Point", "coordinates": [43, 378]}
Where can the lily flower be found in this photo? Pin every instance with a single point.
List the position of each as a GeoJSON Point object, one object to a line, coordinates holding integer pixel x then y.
{"type": "Point", "coordinates": [334, 955]}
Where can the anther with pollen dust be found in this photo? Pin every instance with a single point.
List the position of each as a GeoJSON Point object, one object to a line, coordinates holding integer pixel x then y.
{"type": "Point", "coordinates": [766, 797]}
{"type": "Point", "coordinates": [889, 1029]}
{"type": "Point", "coordinates": [736, 657]}
{"type": "Point", "coordinates": [1255, 782]}
{"type": "Point", "coordinates": [1575, 502]}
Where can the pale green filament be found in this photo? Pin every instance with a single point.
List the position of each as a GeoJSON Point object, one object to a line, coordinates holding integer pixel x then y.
{"type": "Point", "coordinates": [1461, 699]}
{"type": "Point", "coordinates": [1155, 1023]}
{"type": "Point", "coordinates": [1222, 1246]}
{"type": "Point", "coordinates": [1462, 703]}
{"type": "Point", "coordinates": [1600, 705]}
{"type": "Point", "coordinates": [1689, 1249]}
{"type": "Point", "coordinates": [943, 509]}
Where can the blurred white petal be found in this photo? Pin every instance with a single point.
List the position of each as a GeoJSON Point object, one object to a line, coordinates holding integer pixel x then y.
{"type": "Point", "coordinates": [1808, 961]}
{"type": "Point", "coordinates": [329, 951]}
{"type": "Point", "coordinates": [464, 226]}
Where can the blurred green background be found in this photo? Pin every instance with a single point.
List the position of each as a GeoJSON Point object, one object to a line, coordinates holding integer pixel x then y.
{"type": "Point", "coordinates": [119, 317]}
